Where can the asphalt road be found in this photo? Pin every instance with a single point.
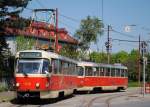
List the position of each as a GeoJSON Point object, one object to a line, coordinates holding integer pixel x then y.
{"type": "Point", "coordinates": [129, 98]}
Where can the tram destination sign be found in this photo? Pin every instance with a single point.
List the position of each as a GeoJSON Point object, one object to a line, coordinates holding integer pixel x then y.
{"type": "Point", "coordinates": [30, 55]}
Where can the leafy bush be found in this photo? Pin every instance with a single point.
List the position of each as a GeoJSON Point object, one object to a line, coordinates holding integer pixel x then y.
{"type": "Point", "coordinates": [133, 84]}
{"type": "Point", "coordinates": [3, 87]}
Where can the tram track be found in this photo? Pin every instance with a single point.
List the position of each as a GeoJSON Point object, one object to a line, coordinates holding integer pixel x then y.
{"type": "Point", "coordinates": [108, 98]}
{"type": "Point", "coordinates": [108, 101]}
{"type": "Point", "coordinates": [24, 104]}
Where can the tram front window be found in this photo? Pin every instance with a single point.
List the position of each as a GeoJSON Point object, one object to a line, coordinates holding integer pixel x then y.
{"type": "Point", "coordinates": [29, 66]}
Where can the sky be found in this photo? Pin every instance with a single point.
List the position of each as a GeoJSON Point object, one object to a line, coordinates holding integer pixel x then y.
{"type": "Point", "coordinates": [116, 13]}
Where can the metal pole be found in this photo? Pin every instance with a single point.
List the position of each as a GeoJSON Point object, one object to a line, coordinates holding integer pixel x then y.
{"type": "Point", "coordinates": [143, 75]}
{"type": "Point", "coordinates": [139, 65]}
{"type": "Point", "coordinates": [108, 53]}
{"type": "Point", "coordinates": [56, 39]}
{"type": "Point", "coordinates": [144, 63]}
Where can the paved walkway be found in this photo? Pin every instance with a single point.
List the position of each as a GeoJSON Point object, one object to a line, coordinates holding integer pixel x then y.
{"type": "Point", "coordinates": [6, 96]}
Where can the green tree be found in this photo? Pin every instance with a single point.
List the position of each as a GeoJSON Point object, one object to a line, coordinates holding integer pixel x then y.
{"type": "Point", "coordinates": [69, 51]}
{"type": "Point", "coordinates": [17, 22]}
{"type": "Point", "coordinates": [120, 57]}
{"type": "Point", "coordinates": [132, 65]}
{"type": "Point", "coordinates": [12, 7]}
{"type": "Point", "coordinates": [24, 43]}
{"type": "Point", "coordinates": [8, 8]}
{"type": "Point", "coordinates": [99, 57]}
{"type": "Point", "coordinates": [4, 53]}
{"type": "Point", "coordinates": [90, 29]}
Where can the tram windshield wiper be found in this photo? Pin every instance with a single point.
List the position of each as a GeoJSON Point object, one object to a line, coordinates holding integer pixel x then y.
{"type": "Point", "coordinates": [25, 74]}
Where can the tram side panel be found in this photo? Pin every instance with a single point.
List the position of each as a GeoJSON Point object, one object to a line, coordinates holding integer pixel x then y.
{"type": "Point", "coordinates": [105, 83]}
{"type": "Point", "coordinates": [31, 83]}
{"type": "Point", "coordinates": [47, 85]}
{"type": "Point", "coordinates": [106, 77]}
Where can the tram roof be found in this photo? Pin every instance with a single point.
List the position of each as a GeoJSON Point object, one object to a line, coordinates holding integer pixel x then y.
{"type": "Point", "coordinates": [49, 55]}
{"type": "Point", "coordinates": [83, 63]}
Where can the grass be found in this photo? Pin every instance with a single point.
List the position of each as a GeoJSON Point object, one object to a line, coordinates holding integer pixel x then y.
{"type": "Point", "coordinates": [133, 84]}
{"type": "Point", "coordinates": [3, 87]}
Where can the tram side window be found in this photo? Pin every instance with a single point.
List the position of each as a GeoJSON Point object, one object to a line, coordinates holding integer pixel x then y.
{"type": "Point", "coordinates": [122, 72]}
{"type": "Point", "coordinates": [88, 71]}
{"type": "Point", "coordinates": [113, 72]}
{"type": "Point", "coordinates": [118, 72]}
{"type": "Point", "coordinates": [126, 73]}
{"type": "Point", "coordinates": [95, 71]}
{"type": "Point", "coordinates": [71, 69]}
{"type": "Point", "coordinates": [74, 70]}
{"type": "Point", "coordinates": [64, 67]}
{"type": "Point", "coordinates": [102, 72]}
{"type": "Point", "coordinates": [45, 68]}
{"type": "Point", "coordinates": [108, 72]}
{"type": "Point", "coordinates": [80, 71]}
{"type": "Point", "coordinates": [55, 66]}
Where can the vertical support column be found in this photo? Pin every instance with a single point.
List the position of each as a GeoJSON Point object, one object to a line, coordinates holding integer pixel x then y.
{"type": "Point", "coordinates": [143, 75]}
{"type": "Point", "coordinates": [56, 32]}
{"type": "Point", "coordinates": [144, 50]}
{"type": "Point", "coordinates": [108, 47]}
{"type": "Point", "coordinates": [139, 65]}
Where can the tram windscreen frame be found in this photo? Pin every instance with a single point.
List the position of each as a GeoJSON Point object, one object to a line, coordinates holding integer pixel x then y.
{"type": "Point", "coordinates": [32, 66]}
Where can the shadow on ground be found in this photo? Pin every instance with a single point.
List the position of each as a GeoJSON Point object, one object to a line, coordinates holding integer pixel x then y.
{"type": "Point", "coordinates": [33, 101]}
{"type": "Point", "coordinates": [36, 101]}
{"type": "Point", "coordinates": [97, 92]}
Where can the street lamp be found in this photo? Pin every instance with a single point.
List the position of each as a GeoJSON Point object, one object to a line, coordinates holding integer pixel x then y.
{"type": "Point", "coordinates": [142, 50]}
{"type": "Point", "coordinates": [128, 28]}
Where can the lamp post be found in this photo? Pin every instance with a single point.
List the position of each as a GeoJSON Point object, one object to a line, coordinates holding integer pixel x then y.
{"type": "Point", "coordinates": [143, 51]}
{"type": "Point", "coordinates": [108, 44]}
{"type": "Point", "coordinates": [128, 28]}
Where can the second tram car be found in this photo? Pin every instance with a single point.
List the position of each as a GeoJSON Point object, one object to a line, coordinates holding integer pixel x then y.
{"type": "Point", "coordinates": [44, 74]}
{"type": "Point", "coordinates": [94, 76]}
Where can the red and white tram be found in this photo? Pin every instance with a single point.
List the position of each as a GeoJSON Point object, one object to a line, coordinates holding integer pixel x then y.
{"type": "Point", "coordinates": [94, 76]}
{"type": "Point", "coordinates": [44, 74]}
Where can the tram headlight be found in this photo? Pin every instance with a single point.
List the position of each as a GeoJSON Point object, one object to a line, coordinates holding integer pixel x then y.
{"type": "Point", "coordinates": [17, 84]}
{"type": "Point", "coordinates": [37, 85]}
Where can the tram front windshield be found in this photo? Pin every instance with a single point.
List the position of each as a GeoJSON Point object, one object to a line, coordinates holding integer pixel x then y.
{"type": "Point", "coordinates": [30, 66]}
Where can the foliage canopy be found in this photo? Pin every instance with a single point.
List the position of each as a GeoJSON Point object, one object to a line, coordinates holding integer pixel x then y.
{"type": "Point", "coordinates": [90, 29]}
